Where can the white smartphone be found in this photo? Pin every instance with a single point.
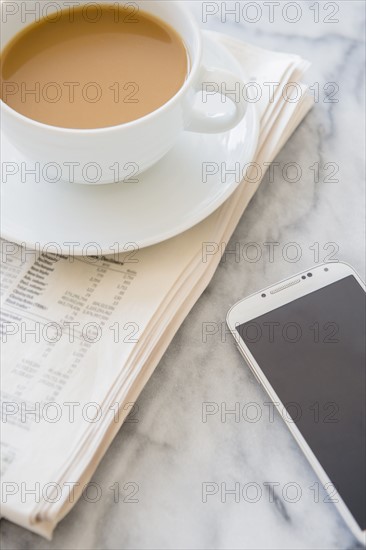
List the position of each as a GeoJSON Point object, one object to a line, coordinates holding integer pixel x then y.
{"type": "Point", "coordinates": [304, 339]}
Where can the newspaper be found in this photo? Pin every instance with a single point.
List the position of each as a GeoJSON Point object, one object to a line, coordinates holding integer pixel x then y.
{"type": "Point", "coordinates": [81, 336]}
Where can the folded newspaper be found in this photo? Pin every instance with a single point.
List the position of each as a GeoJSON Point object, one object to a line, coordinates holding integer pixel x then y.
{"type": "Point", "coordinates": [65, 393]}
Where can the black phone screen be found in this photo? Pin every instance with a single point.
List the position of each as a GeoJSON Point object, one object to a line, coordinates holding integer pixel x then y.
{"type": "Point", "coordinates": [312, 352]}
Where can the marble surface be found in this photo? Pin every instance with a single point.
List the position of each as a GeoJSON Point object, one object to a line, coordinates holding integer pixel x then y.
{"type": "Point", "coordinates": [170, 452]}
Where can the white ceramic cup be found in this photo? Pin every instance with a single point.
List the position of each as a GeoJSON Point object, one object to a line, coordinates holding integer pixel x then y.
{"type": "Point", "coordinates": [98, 156]}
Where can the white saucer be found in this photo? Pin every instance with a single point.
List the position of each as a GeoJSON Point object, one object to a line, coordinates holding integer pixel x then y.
{"type": "Point", "coordinates": [169, 198]}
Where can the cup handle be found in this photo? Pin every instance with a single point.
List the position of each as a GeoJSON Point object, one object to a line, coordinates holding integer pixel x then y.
{"type": "Point", "coordinates": [211, 81]}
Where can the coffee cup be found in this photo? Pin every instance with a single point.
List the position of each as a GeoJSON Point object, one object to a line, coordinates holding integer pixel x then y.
{"type": "Point", "coordinates": [105, 155]}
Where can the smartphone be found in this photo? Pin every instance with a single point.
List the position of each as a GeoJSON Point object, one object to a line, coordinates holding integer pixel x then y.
{"type": "Point", "coordinates": [304, 339]}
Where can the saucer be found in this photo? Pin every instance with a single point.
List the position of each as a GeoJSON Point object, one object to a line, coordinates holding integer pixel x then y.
{"type": "Point", "coordinates": [186, 186]}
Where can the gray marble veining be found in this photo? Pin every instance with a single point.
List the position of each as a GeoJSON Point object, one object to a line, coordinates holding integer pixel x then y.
{"type": "Point", "coordinates": [171, 452]}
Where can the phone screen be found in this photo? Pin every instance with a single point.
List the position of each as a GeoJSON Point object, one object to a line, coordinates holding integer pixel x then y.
{"type": "Point", "coordinates": [312, 352]}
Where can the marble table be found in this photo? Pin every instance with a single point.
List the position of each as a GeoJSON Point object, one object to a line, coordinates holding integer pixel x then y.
{"type": "Point", "coordinates": [163, 461]}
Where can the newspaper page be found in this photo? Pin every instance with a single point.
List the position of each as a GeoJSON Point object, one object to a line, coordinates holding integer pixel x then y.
{"type": "Point", "coordinates": [82, 335]}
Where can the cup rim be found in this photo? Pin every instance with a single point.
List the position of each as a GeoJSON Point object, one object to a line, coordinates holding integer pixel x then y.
{"type": "Point", "coordinates": [150, 116]}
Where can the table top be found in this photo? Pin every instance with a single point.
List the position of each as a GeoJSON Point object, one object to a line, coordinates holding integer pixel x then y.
{"type": "Point", "coordinates": [169, 457]}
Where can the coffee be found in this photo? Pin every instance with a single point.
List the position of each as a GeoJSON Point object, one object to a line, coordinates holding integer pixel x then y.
{"type": "Point", "coordinates": [93, 70]}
